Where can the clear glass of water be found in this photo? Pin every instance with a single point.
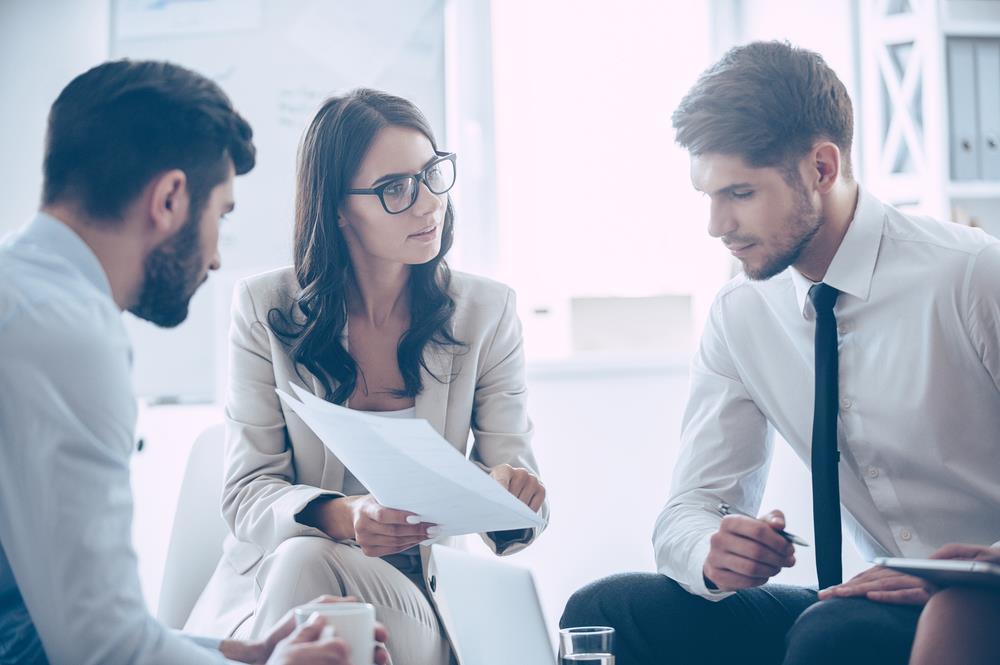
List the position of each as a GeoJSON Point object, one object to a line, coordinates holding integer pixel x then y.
{"type": "Point", "coordinates": [589, 645]}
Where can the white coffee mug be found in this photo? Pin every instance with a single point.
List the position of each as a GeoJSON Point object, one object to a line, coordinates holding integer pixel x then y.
{"type": "Point", "coordinates": [352, 622]}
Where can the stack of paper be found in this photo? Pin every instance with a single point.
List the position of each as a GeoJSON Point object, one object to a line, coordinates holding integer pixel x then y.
{"type": "Point", "coordinates": [407, 465]}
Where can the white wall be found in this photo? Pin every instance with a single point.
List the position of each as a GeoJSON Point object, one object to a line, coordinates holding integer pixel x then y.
{"type": "Point", "coordinates": [594, 196]}
{"type": "Point", "coordinates": [606, 442]}
{"type": "Point", "coordinates": [43, 45]}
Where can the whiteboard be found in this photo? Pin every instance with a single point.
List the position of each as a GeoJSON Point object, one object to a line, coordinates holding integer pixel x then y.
{"type": "Point", "coordinates": [277, 60]}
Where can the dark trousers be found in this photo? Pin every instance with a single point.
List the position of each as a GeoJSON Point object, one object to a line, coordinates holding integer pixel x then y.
{"type": "Point", "coordinates": [19, 641]}
{"type": "Point", "coordinates": [657, 622]}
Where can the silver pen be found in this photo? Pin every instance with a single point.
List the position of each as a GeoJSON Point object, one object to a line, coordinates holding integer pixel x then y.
{"type": "Point", "coordinates": [725, 509]}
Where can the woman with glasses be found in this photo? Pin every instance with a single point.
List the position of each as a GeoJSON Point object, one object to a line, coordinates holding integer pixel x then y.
{"type": "Point", "coordinates": [371, 318]}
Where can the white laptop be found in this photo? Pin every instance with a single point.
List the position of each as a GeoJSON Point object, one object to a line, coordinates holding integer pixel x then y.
{"type": "Point", "coordinates": [490, 609]}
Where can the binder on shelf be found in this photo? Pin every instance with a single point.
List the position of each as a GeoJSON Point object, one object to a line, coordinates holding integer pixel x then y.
{"type": "Point", "coordinates": [964, 149]}
{"type": "Point", "coordinates": [988, 90]}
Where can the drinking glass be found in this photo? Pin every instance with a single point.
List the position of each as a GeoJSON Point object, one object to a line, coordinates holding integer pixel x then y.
{"type": "Point", "coordinates": [587, 645]}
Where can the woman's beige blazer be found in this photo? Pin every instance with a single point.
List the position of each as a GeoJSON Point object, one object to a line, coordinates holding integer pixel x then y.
{"type": "Point", "coordinates": [275, 465]}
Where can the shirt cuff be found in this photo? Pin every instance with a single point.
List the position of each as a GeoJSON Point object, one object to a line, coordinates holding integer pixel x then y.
{"type": "Point", "coordinates": [303, 501]}
{"type": "Point", "coordinates": [504, 539]}
{"type": "Point", "coordinates": [208, 644]}
{"type": "Point", "coordinates": [211, 643]}
{"type": "Point", "coordinates": [695, 583]}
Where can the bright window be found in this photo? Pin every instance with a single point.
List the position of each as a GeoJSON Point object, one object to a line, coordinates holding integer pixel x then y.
{"type": "Point", "coordinates": [594, 197]}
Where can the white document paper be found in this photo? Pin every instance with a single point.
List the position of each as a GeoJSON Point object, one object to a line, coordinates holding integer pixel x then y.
{"type": "Point", "coordinates": [407, 465]}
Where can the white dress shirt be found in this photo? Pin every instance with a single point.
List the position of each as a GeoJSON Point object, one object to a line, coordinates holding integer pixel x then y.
{"type": "Point", "coordinates": [919, 426]}
{"type": "Point", "coordinates": [67, 420]}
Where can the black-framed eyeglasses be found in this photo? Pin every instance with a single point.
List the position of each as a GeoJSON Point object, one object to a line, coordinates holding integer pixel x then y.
{"type": "Point", "coordinates": [398, 194]}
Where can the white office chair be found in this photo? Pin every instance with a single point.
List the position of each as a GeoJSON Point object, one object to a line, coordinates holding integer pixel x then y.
{"type": "Point", "coordinates": [196, 539]}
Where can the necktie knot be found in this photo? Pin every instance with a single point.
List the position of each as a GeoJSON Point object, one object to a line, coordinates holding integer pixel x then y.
{"type": "Point", "coordinates": [823, 297]}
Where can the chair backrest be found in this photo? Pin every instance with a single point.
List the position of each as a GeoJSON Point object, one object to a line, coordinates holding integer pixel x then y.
{"type": "Point", "coordinates": [198, 532]}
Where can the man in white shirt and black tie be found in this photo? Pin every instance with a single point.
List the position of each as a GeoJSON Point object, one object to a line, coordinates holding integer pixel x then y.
{"type": "Point", "coordinates": [869, 339]}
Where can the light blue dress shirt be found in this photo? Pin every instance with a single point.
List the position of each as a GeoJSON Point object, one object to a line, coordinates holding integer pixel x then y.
{"type": "Point", "coordinates": [68, 575]}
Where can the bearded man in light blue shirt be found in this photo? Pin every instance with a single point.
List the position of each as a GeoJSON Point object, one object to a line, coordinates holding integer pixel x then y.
{"type": "Point", "coordinates": [140, 159]}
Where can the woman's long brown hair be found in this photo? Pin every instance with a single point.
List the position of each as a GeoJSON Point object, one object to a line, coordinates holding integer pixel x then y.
{"type": "Point", "coordinates": [329, 156]}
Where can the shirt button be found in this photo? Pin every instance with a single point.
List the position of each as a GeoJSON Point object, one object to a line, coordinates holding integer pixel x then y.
{"type": "Point", "coordinates": [905, 534]}
{"type": "Point", "coordinates": [872, 472]}
{"type": "Point", "coordinates": [846, 403]}
{"type": "Point", "coordinates": [842, 328]}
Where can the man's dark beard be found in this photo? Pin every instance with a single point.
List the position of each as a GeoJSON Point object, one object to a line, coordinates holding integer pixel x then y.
{"type": "Point", "coordinates": [806, 218]}
{"type": "Point", "coordinates": [172, 273]}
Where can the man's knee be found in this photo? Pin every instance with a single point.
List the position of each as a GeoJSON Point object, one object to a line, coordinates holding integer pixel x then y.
{"type": "Point", "coordinates": [636, 603]}
{"type": "Point", "coordinates": [854, 630]}
{"type": "Point", "coordinates": [607, 601]}
{"type": "Point", "coordinates": [586, 606]}
{"type": "Point", "coordinates": [824, 628]}
{"type": "Point", "coordinates": [652, 617]}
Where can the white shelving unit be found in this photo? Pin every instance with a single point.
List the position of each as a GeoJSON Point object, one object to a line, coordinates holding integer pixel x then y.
{"type": "Point", "coordinates": [905, 106]}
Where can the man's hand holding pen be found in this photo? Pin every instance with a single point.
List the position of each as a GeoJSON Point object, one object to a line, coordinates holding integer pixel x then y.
{"type": "Point", "coordinates": [746, 551]}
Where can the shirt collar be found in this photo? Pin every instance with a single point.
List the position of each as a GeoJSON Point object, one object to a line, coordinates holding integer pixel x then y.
{"type": "Point", "coordinates": [52, 236]}
{"type": "Point", "coordinates": [853, 265]}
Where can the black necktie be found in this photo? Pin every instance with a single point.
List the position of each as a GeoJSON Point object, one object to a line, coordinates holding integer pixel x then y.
{"type": "Point", "coordinates": [825, 456]}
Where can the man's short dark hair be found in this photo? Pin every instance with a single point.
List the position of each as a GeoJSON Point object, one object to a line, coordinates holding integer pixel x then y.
{"type": "Point", "coordinates": [767, 102]}
{"type": "Point", "coordinates": [118, 125]}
